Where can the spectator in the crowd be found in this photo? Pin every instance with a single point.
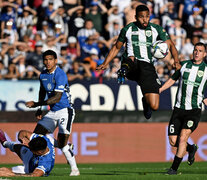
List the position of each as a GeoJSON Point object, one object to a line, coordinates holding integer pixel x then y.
{"type": "Point", "coordinates": [203, 39]}
{"type": "Point", "coordinates": [35, 58]}
{"type": "Point", "coordinates": [31, 73]}
{"type": "Point", "coordinates": [29, 43]}
{"type": "Point", "coordinates": [169, 15]}
{"type": "Point", "coordinates": [51, 43]}
{"type": "Point", "coordinates": [58, 30]}
{"type": "Point", "coordinates": [187, 49]}
{"type": "Point", "coordinates": [129, 12]}
{"type": "Point", "coordinates": [90, 42]}
{"type": "Point", "coordinates": [3, 70]}
{"type": "Point", "coordinates": [160, 73]}
{"type": "Point", "coordinates": [122, 4]}
{"type": "Point", "coordinates": [196, 30]}
{"type": "Point", "coordinates": [9, 15]}
{"type": "Point", "coordinates": [48, 12]}
{"type": "Point", "coordinates": [59, 17]}
{"type": "Point", "coordinates": [20, 63]}
{"type": "Point", "coordinates": [77, 20]}
{"type": "Point", "coordinates": [114, 16]}
{"type": "Point", "coordinates": [3, 50]}
{"type": "Point", "coordinates": [73, 47]}
{"type": "Point", "coordinates": [79, 71]}
{"type": "Point", "coordinates": [8, 53]}
{"type": "Point", "coordinates": [85, 32]}
{"type": "Point", "coordinates": [12, 73]}
{"type": "Point", "coordinates": [64, 59]}
{"type": "Point", "coordinates": [185, 10]}
{"type": "Point", "coordinates": [114, 67]}
{"type": "Point", "coordinates": [195, 16]}
{"type": "Point", "coordinates": [94, 61]}
{"type": "Point", "coordinates": [69, 4]}
{"type": "Point", "coordinates": [178, 34]}
{"type": "Point", "coordinates": [46, 30]}
{"type": "Point", "coordinates": [26, 20]}
{"type": "Point", "coordinates": [10, 32]}
{"type": "Point", "coordinates": [113, 30]}
{"type": "Point", "coordinates": [95, 13]}
{"type": "Point", "coordinates": [56, 3]}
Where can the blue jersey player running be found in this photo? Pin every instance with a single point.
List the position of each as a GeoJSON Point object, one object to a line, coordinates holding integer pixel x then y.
{"type": "Point", "coordinates": [54, 84]}
{"type": "Point", "coordinates": [36, 151]}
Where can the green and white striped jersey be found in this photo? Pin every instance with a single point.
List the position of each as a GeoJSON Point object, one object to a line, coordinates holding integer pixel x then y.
{"type": "Point", "coordinates": [193, 80]}
{"type": "Point", "coordinates": [139, 41]}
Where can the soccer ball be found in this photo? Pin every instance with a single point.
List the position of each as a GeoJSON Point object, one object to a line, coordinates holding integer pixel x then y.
{"type": "Point", "coordinates": [159, 49]}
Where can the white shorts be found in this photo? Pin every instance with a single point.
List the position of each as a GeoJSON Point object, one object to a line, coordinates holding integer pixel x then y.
{"type": "Point", "coordinates": [26, 155]}
{"type": "Point", "coordinates": [62, 119]}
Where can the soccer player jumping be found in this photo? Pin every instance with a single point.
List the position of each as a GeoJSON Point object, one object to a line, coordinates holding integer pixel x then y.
{"type": "Point", "coordinates": [137, 59]}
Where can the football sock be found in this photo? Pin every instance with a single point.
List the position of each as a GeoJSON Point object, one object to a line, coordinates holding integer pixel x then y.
{"type": "Point", "coordinates": [176, 163]}
{"type": "Point", "coordinates": [69, 156]}
{"type": "Point", "coordinates": [189, 148]}
{"type": "Point", "coordinates": [52, 140]}
{"type": "Point", "coordinates": [9, 145]}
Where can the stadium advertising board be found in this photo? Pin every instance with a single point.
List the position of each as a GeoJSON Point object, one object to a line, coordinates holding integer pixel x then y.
{"type": "Point", "coordinates": [115, 142]}
{"type": "Point", "coordinates": [86, 95]}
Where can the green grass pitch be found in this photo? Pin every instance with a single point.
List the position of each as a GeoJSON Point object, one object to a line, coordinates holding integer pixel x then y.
{"type": "Point", "coordinates": [131, 171]}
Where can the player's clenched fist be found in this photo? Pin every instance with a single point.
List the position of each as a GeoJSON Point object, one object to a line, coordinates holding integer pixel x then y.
{"type": "Point", "coordinates": [30, 104]}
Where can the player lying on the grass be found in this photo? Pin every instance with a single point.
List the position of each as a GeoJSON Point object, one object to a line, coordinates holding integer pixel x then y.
{"type": "Point", "coordinates": [38, 157]}
{"type": "Point", "coordinates": [187, 110]}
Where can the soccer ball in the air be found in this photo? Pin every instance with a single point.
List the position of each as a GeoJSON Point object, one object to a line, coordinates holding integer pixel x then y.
{"type": "Point", "coordinates": [159, 49]}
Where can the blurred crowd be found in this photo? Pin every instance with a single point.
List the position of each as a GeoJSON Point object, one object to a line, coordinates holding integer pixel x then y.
{"type": "Point", "coordinates": [81, 32]}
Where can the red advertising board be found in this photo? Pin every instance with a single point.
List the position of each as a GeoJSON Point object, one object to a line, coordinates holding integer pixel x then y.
{"type": "Point", "coordinates": [114, 142]}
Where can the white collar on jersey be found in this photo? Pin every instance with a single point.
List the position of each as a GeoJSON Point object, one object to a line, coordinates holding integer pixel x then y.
{"type": "Point", "coordinates": [52, 72]}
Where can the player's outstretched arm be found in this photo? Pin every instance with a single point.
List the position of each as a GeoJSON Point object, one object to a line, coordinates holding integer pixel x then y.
{"type": "Point", "coordinates": [24, 136]}
{"type": "Point", "coordinates": [7, 172]}
{"type": "Point", "coordinates": [112, 53]}
{"type": "Point", "coordinates": [174, 53]}
{"type": "Point", "coordinates": [167, 84]}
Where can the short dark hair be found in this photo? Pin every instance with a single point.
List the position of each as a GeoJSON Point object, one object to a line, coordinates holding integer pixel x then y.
{"type": "Point", "coordinates": [38, 143]}
{"type": "Point", "coordinates": [49, 52]}
{"type": "Point", "coordinates": [141, 8]}
{"type": "Point", "coordinates": [200, 44]}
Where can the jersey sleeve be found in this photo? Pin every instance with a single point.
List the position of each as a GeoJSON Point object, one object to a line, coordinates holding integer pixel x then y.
{"type": "Point", "coordinates": [60, 81]}
{"type": "Point", "coordinates": [44, 165]}
{"type": "Point", "coordinates": [176, 75]}
{"type": "Point", "coordinates": [122, 36]}
{"type": "Point", "coordinates": [163, 35]}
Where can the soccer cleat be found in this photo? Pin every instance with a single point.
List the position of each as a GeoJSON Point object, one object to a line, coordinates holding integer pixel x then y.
{"type": "Point", "coordinates": [147, 110]}
{"type": "Point", "coordinates": [121, 75]}
{"type": "Point", "coordinates": [75, 172]}
{"type": "Point", "coordinates": [171, 172]}
{"type": "Point", "coordinates": [2, 137]}
{"type": "Point", "coordinates": [191, 156]}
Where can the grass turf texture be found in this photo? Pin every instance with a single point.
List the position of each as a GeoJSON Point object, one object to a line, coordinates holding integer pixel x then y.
{"type": "Point", "coordinates": [132, 171]}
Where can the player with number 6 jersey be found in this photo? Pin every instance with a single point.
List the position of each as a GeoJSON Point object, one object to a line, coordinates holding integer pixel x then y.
{"type": "Point", "coordinates": [187, 110]}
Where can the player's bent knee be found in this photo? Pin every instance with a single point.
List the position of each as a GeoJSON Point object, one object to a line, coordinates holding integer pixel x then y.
{"type": "Point", "coordinates": [154, 106]}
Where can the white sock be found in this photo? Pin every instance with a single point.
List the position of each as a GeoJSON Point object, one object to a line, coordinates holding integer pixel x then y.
{"type": "Point", "coordinates": [52, 140]}
{"type": "Point", "coordinates": [9, 145]}
{"type": "Point", "coordinates": [69, 156]}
